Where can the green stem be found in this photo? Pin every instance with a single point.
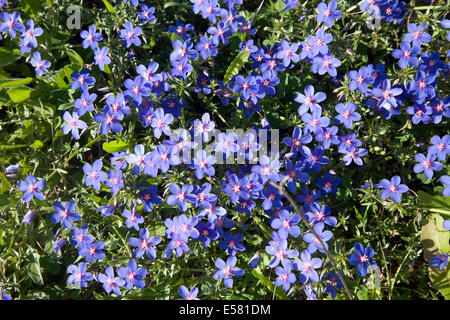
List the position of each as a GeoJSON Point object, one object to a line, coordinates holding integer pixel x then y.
{"type": "Point", "coordinates": [74, 155]}
{"type": "Point", "coordinates": [400, 268]}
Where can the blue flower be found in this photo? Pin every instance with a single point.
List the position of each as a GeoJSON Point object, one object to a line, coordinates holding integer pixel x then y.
{"type": "Point", "coordinates": [39, 64]}
{"type": "Point", "coordinates": [416, 34]}
{"type": "Point", "coordinates": [360, 79]}
{"type": "Point", "coordinates": [181, 29]}
{"type": "Point", "coordinates": [306, 266]}
{"type": "Point", "coordinates": [407, 55]}
{"type": "Point", "coordinates": [179, 244]}
{"type": "Point", "coordinates": [109, 121]}
{"type": "Point", "coordinates": [314, 242]}
{"type": "Point", "coordinates": [309, 100]}
{"type": "Point", "coordinates": [30, 33]}
{"type": "Point", "coordinates": [85, 103]}
{"type": "Point", "coordinates": [236, 189]}
{"type": "Point", "coordinates": [392, 189]}
{"type": "Point", "coordinates": [427, 164]}
{"type": "Point", "coordinates": [221, 32]}
{"type": "Point", "coordinates": [325, 64]}
{"type": "Point", "coordinates": [333, 283]}
{"type": "Point", "coordinates": [162, 157]}
{"type": "Point", "coordinates": [445, 180]}
{"type": "Point", "coordinates": [387, 94]}
{"type": "Point", "coordinates": [110, 282]}
{"type": "Point", "coordinates": [362, 258]}
{"type": "Point", "coordinates": [107, 210]}
{"type": "Point", "coordinates": [227, 271]}
{"type": "Point", "coordinates": [183, 49]}
{"type": "Point", "coordinates": [150, 197]}
{"type": "Point", "coordinates": [420, 113]}
{"type": "Point", "coordinates": [90, 37]}
{"type": "Point", "coordinates": [144, 244]}
{"type": "Point", "coordinates": [207, 233]}
{"type": "Point", "coordinates": [79, 275]}
{"type": "Point", "coordinates": [185, 294]}
{"type": "Point", "coordinates": [130, 34]}
{"type": "Point", "coordinates": [80, 237]}
{"type": "Point", "coordinates": [115, 180]}
{"type": "Point", "coordinates": [94, 175]}
{"type": "Point", "coordinates": [353, 154]}
{"type": "Point", "coordinates": [32, 187]}
{"type": "Point", "coordinates": [297, 141]}
{"type": "Point", "coordinates": [287, 224]}
{"type": "Point", "coordinates": [203, 164]}
{"type": "Point", "coordinates": [328, 13]}
{"type": "Point", "coordinates": [73, 124]}
{"type": "Point", "coordinates": [279, 250]}
{"type": "Point", "coordinates": [137, 159]}
{"type": "Point", "coordinates": [29, 216]}
{"type": "Point", "coordinates": [254, 261]}
{"type": "Point", "coordinates": [136, 89]}
{"type": "Point", "coordinates": [101, 57]}
{"type": "Point", "coordinates": [133, 219]}
{"type": "Point", "coordinates": [11, 23]}
{"type": "Point", "coordinates": [440, 261]}
{"type": "Point", "coordinates": [207, 47]}
{"type": "Point", "coordinates": [318, 213]}
{"type": "Point", "coordinates": [92, 251]}
{"type": "Point", "coordinates": [347, 114]}
{"type": "Point", "coordinates": [160, 122]}
{"type": "Point", "coordinates": [132, 275]}
{"type": "Point", "coordinates": [82, 80]}
{"type": "Point", "coordinates": [232, 243]}
{"type": "Point", "coordinates": [147, 14]}
{"type": "Point", "coordinates": [285, 277]}
{"type": "Point", "coordinates": [181, 196]}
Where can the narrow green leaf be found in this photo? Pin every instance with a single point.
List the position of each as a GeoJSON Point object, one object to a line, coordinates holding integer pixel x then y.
{"type": "Point", "coordinates": [437, 204]}
{"type": "Point", "coordinates": [14, 82]}
{"type": "Point", "coordinates": [237, 63]}
{"type": "Point", "coordinates": [109, 6]}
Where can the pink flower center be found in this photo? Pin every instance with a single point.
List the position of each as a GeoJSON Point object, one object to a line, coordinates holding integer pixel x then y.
{"type": "Point", "coordinates": [228, 271]}
{"type": "Point", "coordinates": [286, 224]}
{"type": "Point", "coordinates": [392, 188]}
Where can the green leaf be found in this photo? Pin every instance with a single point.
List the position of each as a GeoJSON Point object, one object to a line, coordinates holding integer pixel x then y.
{"type": "Point", "coordinates": [435, 204]}
{"type": "Point", "coordinates": [237, 63]}
{"type": "Point", "coordinates": [76, 60]}
{"type": "Point", "coordinates": [279, 293]}
{"type": "Point", "coordinates": [17, 146]}
{"type": "Point", "coordinates": [14, 82]}
{"type": "Point", "coordinates": [109, 6]}
{"type": "Point", "coordinates": [4, 183]}
{"type": "Point", "coordinates": [435, 240]}
{"type": "Point", "coordinates": [115, 146]}
{"type": "Point", "coordinates": [34, 270]}
{"type": "Point", "coordinates": [19, 94]}
{"type": "Point", "coordinates": [280, 5]}
{"type": "Point", "coordinates": [7, 57]}
{"type": "Point", "coordinates": [37, 144]}
{"type": "Point", "coordinates": [157, 229]}
{"type": "Point", "coordinates": [177, 4]}
{"type": "Point", "coordinates": [31, 7]}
